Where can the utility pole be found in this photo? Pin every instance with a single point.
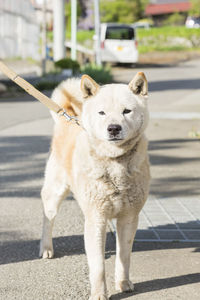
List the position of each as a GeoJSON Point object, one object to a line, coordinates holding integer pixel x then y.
{"type": "Point", "coordinates": [97, 32]}
{"type": "Point", "coordinates": [44, 38]}
{"type": "Point", "coordinates": [73, 28]}
{"type": "Point", "coordinates": [58, 29]}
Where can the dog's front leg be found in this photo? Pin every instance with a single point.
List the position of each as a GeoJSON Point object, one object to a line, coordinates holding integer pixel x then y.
{"type": "Point", "coordinates": [95, 236]}
{"type": "Point", "coordinates": [126, 229]}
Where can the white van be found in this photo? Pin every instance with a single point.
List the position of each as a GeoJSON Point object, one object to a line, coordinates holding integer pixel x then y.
{"type": "Point", "coordinates": [118, 43]}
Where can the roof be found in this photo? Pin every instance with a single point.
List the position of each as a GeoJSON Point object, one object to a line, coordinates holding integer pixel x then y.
{"type": "Point", "coordinates": [166, 1]}
{"type": "Point", "coordinates": [166, 8]}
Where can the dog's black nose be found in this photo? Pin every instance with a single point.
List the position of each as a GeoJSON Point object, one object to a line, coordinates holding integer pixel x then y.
{"type": "Point", "coordinates": [114, 129]}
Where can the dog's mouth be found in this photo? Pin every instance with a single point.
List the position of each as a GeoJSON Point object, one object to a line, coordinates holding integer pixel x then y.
{"type": "Point", "coordinates": [114, 139]}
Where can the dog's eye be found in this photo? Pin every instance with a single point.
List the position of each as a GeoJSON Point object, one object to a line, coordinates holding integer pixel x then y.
{"type": "Point", "coordinates": [101, 112]}
{"type": "Point", "coordinates": [126, 111]}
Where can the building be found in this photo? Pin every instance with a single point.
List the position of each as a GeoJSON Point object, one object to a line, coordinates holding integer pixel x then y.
{"type": "Point", "coordinates": [38, 6]}
{"type": "Point", "coordinates": [19, 30]}
{"type": "Point", "coordinates": [161, 9]}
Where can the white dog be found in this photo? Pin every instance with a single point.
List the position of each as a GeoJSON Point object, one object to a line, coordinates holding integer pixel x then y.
{"type": "Point", "coordinates": [105, 164]}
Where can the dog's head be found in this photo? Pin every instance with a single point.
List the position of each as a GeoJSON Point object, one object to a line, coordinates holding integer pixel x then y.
{"type": "Point", "coordinates": [115, 113]}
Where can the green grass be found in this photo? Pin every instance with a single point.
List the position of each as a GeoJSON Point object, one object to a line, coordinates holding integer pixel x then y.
{"type": "Point", "coordinates": [175, 31]}
{"type": "Point", "coordinates": [82, 35]}
{"type": "Point", "coordinates": [168, 39]}
{"type": "Point", "coordinates": [159, 48]}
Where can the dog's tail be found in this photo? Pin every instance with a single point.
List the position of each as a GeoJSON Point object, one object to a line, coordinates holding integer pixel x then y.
{"type": "Point", "coordinates": [68, 95]}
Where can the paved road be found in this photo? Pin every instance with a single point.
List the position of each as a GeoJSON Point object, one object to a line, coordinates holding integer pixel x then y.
{"type": "Point", "coordinates": [160, 270]}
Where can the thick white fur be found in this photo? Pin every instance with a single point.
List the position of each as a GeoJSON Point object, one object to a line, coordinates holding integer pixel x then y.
{"type": "Point", "coordinates": [110, 179]}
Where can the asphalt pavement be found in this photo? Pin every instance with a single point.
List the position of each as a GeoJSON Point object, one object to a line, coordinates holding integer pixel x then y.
{"type": "Point", "coordinates": [165, 262]}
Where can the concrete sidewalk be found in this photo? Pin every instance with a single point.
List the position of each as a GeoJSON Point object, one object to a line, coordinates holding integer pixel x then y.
{"type": "Point", "coordinates": [165, 262]}
{"type": "Point", "coordinates": [169, 270]}
{"type": "Point", "coordinates": [23, 68]}
{"type": "Point", "coordinates": [173, 210]}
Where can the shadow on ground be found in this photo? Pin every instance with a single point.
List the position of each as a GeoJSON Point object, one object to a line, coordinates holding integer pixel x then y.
{"type": "Point", "coordinates": [171, 143]}
{"type": "Point", "coordinates": [22, 165]}
{"type": "Point", "coordinates": [13, 251]}
{"type": "Point", "coordinates": [180, 173]}
{"type": "Point", "coordinates": [159, 284]}
{"type": "Point", "coordinates": [130, 66]}
{"type": "Point", "coordinates": [162, 85]}
{"type": "Point", "coordinates": [23, 158]}
{"type": "Point", "coordinates": [17, 94]}
{"type": "Point", "coordinates": [182, 84]}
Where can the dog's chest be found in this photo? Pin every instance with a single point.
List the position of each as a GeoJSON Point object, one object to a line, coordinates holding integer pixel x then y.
{"type": "Point", "coordinates": [114, 189]}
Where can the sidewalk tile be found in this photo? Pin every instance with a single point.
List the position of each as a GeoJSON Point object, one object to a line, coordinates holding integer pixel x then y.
{"type": "Point", "coordinates": [170, 235]}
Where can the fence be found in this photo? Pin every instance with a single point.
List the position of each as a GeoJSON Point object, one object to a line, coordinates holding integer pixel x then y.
{"type": "Point", "coordinates": [19, 30]}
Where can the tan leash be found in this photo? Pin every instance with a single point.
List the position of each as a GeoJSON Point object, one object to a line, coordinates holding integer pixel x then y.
{"type": "Point", "coordinates": [30, 89]}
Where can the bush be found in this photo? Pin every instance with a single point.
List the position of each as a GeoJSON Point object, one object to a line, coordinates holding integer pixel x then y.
{"type": "Point", "coordinates": [175, 19]}
{"type": "Point", "coordinates": [100, 74]}
{"type": "Point", "coordinates": [45, 84]}
{"type": "Point", "coordinates": [68, 63]}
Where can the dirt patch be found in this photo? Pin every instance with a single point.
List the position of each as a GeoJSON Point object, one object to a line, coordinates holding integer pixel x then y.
{"type": "Point", "coordinates": [171, 57]}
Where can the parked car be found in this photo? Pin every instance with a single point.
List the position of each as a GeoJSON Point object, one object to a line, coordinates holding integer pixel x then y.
{"type": "Point", "coordinates": [192, 22]}
{"type": "Point", "coordinates": [118, 43]}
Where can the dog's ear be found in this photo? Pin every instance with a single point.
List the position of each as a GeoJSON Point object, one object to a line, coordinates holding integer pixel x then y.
{"type": "Point", "coordinates": [88, 86]}
{"type": "Point", "coordinates": [139, 85]}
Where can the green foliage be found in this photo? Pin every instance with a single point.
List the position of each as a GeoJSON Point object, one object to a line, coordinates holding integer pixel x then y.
{"type": "Point", "coordinates": [175, 19]}
{"type": "Point", "coordinates": [68, 13]}
{"type": "Point", "coordinates": [160, 48]}
{"type": "Point", "coordinates": [68, 63]}
{"type": "Point", "coordinates": [45, 84]}
{"type": "Point", "coordinates": [168, 38]}
{"type": "Point", "coordinates": [122, 11]}
{"type": "Point", "coordinates": [195, 8]}
{"type": "Point", "coordinates": [82, 35]}
{"type": "Point", "coordinates": [100, 74]}
{"type": "Point", "coordinates": [179, 31]}
{"type": "Point", "coordinates": [194, 134]}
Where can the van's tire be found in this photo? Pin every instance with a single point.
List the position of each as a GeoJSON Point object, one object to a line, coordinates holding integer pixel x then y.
{"type": "Point", "coordinates": [127, 65]}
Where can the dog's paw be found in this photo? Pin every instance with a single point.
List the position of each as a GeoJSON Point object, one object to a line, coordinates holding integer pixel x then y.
{"type": "Point", "coordinates": [124, 286]}
{"type": "Point", "coordinates": [46, 252]}
{"type": "Point", "coordinates": [98, 297]}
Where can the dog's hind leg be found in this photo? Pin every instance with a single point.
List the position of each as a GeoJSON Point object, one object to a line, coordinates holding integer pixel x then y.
{"type": "Point", "coordinates": [54, 190]}
{"type": "Point", "coordinates": [126, 229]}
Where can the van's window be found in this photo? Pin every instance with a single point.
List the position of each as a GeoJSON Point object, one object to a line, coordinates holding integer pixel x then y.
{"type": "Point", "coordinates": [120, 33]}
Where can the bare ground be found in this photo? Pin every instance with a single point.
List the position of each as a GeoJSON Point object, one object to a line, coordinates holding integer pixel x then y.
{"type": "Point", "coordinates": [171, 57]}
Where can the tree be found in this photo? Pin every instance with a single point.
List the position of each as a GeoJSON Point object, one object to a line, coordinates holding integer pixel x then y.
{"type": "Point", "coordinates": [68, 12]}
{"type": "Point", "coordinates": [195, 8]}
{"type": "Point", "coordinates": [122, 11]}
